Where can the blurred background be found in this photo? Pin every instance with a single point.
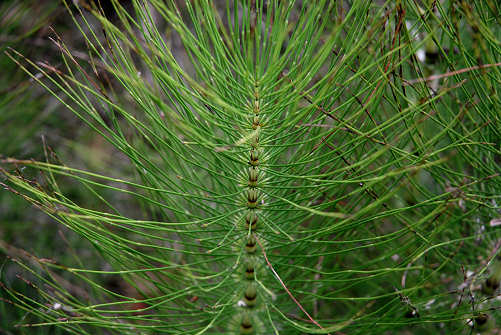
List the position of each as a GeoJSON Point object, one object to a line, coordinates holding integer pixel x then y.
{"type": "Point", "coordinates": [36, 125]}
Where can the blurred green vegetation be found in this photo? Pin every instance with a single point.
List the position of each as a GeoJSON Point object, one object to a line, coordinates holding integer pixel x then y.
{"type": "Point", "coordinates": [34, 125]}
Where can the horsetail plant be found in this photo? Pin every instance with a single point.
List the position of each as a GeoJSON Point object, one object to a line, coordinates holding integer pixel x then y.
{"type": "Point", "coordinates": [295, 169]}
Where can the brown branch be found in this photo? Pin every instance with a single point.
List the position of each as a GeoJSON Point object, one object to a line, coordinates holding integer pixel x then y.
{"type": "Point", "coordinates": [449, 74]}
{"type": "Point", "coordinates": [285, 287]}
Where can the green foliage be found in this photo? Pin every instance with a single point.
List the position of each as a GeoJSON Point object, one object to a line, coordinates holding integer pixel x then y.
{"type": "Point", "coordinates": [22, 110]}
{"type": "Point", "coordinates": [299, 169]}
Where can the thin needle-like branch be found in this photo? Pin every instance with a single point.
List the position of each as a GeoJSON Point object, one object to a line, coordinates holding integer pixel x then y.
{"type": "Point", "coordinates": [285, 287]}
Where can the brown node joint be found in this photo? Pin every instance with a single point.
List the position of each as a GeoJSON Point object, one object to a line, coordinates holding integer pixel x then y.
{"type": "Point", "coordinates": [251, 292]}
{"type": "Point", "coordinates": [481, 319]}
{"type": "Point", "coordinates": [251, 220]}
{"type": "Point", "coordinates": [246, 329]}
{"type": "Point", "coordinates": [249, 272]}
{"type": "Point", "coordinates": [253, 176]}
{"type": "Point", "coordinates": [254, 157]}
{"type": "Point", "coordinates": [252, 196]}
{"type": "Point", "coordinates": [250, 245]}
{"type": "Point", "coordinates": [252, 205]}
{"type": "Point", "coordinates": [490, 285]}
{"type": "Point", "coordinates": [250, 299]}
{"type": "Point", "coordinates": [255, 122]}
{"type": "Point", "coordinates": [250, 296]}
